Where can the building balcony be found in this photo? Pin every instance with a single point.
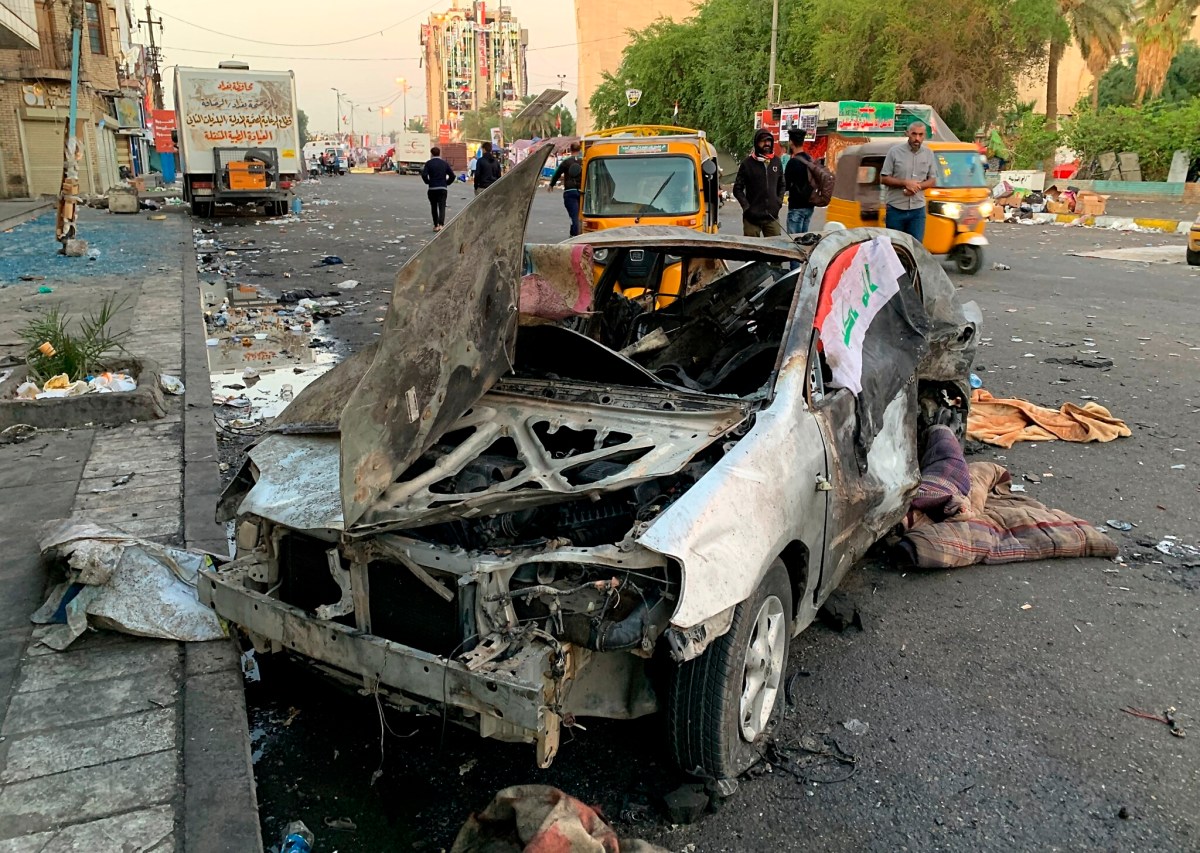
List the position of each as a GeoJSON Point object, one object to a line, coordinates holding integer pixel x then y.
{"type": "Point", "coordinates": [52, 61]}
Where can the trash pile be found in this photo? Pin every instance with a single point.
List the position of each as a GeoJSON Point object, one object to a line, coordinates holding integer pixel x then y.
{"type": "Point", "coordinates": [123, 583]}
{"type": "Point", "coordinates": [1016, 204]}
{"type": "Point", "coordinates": [62, 386]}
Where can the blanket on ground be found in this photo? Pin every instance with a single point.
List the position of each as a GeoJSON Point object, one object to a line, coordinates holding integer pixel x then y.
{"type": "Point", "coordinates": [1004, 422]}
{"type": "Point", "coordinates": [987, 522]}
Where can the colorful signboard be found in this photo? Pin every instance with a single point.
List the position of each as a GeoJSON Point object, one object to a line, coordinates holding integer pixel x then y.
{"type": "Point", "coordinates": [866, 117]}
{"type": "Point", "coordinates": [642, 148]}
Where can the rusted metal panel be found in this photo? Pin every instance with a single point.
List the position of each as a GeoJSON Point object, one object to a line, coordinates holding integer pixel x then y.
{"type": "Point", "coordinates": [448, 336]}
{"type": "Point", "coordinates": [297, 483]}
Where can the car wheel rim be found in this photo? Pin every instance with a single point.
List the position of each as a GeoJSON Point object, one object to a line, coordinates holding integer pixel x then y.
{"type": "Point", "coordinates": [763, 668]}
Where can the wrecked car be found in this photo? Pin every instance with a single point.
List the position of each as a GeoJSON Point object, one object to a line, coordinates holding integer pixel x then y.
{"type": "Point", "coordinates": [534, 500]}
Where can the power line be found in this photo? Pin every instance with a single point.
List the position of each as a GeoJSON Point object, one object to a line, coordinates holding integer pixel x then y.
{"type": "Point", "coordinates": [574, 43]}
{"type": "Point", "coordinates": [237, 53]}
{"type": "Point", "coordinates": [371, 34]}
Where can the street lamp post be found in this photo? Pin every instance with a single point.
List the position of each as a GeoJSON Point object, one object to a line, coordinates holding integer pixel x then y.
{"type": "Point", "coordinates": [404, 87]}
{"type": "Point", "coordinates": [339, 110]}
{"type": "Point", "coordinates": [352, 108]}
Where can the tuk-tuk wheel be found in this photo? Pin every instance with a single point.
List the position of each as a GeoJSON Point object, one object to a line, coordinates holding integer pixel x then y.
{"type": "Point", "coordinates": [968, 259]}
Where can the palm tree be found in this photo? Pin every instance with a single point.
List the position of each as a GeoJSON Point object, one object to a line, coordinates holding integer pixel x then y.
{"type": "Point", "coordinates": [1161, 28]}
{"type": "Point", "coordinates": [1096, 26]}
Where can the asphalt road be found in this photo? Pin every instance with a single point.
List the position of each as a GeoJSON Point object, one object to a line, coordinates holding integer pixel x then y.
{"type": "Point", "coordinates": [991, 726]}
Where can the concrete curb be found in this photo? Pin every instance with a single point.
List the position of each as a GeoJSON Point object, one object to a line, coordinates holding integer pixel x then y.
{"type": "Point", "coordinates": [220, 809]}
{"type": "Point", "coordinates": [35, 209]}
{"type": "Point", "coordinates": [1167, 226]}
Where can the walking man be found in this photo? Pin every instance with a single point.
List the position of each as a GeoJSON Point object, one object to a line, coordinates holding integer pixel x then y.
{"type": "Point", "coordinates": [438, 176]}
{"type": "Point", "coordinates": [759, 187]}
{"type": "Point", "coordinates": [908, 171]}
{"type": "Point", "coordinates": [487, 170]}
{"type": "Point", "coordinates": [797, 178]}
{"type": "Point", "coordinates": [571, 173]}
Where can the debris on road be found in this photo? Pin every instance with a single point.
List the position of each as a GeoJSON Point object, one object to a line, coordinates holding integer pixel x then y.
{"type": "Point", "coordinates": [539, 817]}
{"type": "Point", "coordinates": [1116, 524]}
{"type": "Point", "coordinates": [171, 384]}
{"type": "Point", "coordinates": [839, 612]}
{"type": "Point", "coordinates": [1001, 267]}
{"type": "Point", "coordinates": [123, 583]}
{"type": "Point", "coordinates": [1004, 422]}
{"type": "Point", "coordinates": [1167, 718]}
{"type": "Point", "coordinates": [1079, 362]}
{"type": "Point", "coordinates": [297, 838]}
{"type": "Point", "coordinates": [686, 804]}
{"type": "Point", "coordinates": [856, 727]}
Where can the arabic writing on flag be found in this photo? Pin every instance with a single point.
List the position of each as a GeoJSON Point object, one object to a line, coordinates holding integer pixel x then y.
{"type": "Point", "coordinates": [871, 279]}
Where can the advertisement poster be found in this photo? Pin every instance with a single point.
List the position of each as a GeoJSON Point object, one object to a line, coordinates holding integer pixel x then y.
{"type": "Point", "coordinates": [129, 114]}
{"type": "Point", "coordinates": [164, 123]}
{"type": "Point", "coordinates": [866, 117]}
{"type": "Point", "coordinates": [239, 109]}
{"type": "Point", "coordinates": [789, 117]}
{"type": "Point", "coordinates": [808, 121]}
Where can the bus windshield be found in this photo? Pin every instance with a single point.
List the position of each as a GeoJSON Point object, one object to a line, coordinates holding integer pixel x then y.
{"type": "Point", "coordinates": [959, 169]}
{"type": "Point", "coordinates": [657, 185]}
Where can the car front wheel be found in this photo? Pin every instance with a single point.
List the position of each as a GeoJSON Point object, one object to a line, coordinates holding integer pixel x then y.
{"type": "Point", "coordinates": [721, 705]}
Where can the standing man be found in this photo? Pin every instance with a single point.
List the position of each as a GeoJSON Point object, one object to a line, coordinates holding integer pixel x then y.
{"type": "Point", "coordinates": [759, 188]}
{"type": "Point", "coordinates": [438, 176]}
{"type": "Point", "coordinates": [571, 172]}
{"type": "Point", "coordinates": [907, 172]}
{"type": "Point", "coordinates": [487, 170]}
{"type": "Point", "coordinates": [797, 179]}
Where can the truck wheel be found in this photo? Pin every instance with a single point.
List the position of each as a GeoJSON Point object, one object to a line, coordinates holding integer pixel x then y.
{"type": "Point", "coordinates": [721, 705]}
{"type": "Point", "coordinates": [968, 259]}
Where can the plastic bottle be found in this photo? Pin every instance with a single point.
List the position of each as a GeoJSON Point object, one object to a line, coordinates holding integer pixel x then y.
{"type": "Point", "coordinates": [297, 838]}
{"type": "Point", "coordinates": [976, 382]}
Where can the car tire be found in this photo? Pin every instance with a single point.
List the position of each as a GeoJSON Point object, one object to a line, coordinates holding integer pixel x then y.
{"type": "Point", "coordinates": [717, 721]}
{"type": "Point", "coordinates": [968, 259]}
{"type": "Point", "coordinates": [1193, 257]}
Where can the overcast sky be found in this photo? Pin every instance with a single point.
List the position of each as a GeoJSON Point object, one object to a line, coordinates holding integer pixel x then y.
{"type": "Point", "coordinates": [364, 69]}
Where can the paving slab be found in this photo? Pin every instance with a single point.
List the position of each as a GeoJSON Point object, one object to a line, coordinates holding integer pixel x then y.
{"type": "Point", "coordinates": [91, 701]}
{"type": "Point", "coordinates": [144, 831]}
{"type": "Point", "coordinates": [88, 745]}
{"type": "Point", "coordinates": [50, 672]}
{"type": "Point", "coordinates": [41, 804]}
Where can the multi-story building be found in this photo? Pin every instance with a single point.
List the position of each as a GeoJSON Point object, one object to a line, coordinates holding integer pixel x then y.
{"type": "Point", "coordinates": [35, 79]}
{"type": "Point", "coordinates": [603, 30]}
{"type": "Point", "coordinates": [474, 55]}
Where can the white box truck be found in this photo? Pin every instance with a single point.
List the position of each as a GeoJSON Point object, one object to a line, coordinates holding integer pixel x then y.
{"type": "Point", "coordinates": [238, 138]}
{"type": "Point", "coordinates": [412, 151]}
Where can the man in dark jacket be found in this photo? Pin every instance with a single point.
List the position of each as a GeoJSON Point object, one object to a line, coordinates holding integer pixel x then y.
{"type": "Point", "coordinates": [798, 180]}
{"type": "Point", "coordinates": [570, 171]}
{"type": "Point", "coordinates": [438, 176]}
{"type": "Point", "coordinates": [759, 188]}
{"type": "Point", "coordinates": [487, 170]}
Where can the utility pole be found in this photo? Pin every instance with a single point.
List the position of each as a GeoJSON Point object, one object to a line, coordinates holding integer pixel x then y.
{"type": "Point", "coordinates": [339, 110]}
{"type": "Point", "coordinates": [66, 228]}
{"type": "Point", "coordinates": [774, 39]}
{"type": "Point", "coordinates": [153, 58]}
{"type": "Point", "coordinates": [562, 82]}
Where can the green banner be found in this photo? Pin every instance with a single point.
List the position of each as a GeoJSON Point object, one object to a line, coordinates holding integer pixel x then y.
{"type": "Point", "coordinates": [866, 117]}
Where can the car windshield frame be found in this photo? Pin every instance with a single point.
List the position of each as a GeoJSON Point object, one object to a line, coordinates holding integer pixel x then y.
{"type": "Point", "coordinates": [959, 169]}
{"type": "Point", "coordinates": [652, 181]}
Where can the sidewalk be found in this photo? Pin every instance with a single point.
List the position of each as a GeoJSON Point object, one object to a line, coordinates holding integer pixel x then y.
{"type": "Point", "coordinates": [119, 743]}
{"type": "Point", "coordinates": [13, 213]}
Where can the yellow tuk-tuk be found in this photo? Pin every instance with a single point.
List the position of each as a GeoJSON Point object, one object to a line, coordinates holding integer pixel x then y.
{"type": "Point", "coordinates": [649, 175]}
{"type": "Point", "coordinates": [958, 207]}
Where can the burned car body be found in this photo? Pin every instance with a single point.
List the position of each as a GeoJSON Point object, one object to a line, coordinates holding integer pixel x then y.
{"type": "Point", "coordinates": [610, 514]}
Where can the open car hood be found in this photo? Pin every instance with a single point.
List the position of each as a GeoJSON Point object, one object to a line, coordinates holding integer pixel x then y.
{"type": "Point", "coordinates": [448, 336]}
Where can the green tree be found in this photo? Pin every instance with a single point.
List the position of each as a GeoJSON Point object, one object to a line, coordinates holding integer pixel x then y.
{"type": "Point", "coordinates": [1096, 26]}
{"type": "Point", "coordinates": [1160, 31]}
{"type": "Point", "coordinates": [560, 114]}
{"type": "Point", "coordinates": [476, 125]}
{"type": "Point", "coordinates": [302, 125]}
{"type": "Point", "coordinates": [1118, 86]}
{"type": "Point", "coordinates": [417, 125]}
{"type": "Point", "coordinates": [1154, 131]}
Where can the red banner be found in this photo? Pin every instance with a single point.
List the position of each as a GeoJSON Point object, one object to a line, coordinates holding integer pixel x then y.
{"type": "Point", "coordinates": [164, 124]}
{"type": "Point", "coordinates": [444, 133]}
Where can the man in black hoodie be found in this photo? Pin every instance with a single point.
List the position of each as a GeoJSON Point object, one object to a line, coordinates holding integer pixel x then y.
{"type": "Point", "coordinates": [487, 170]}
{"type": "Point", "coordinates": [438, 176]}
{"type": "Point", "coordinates": [759, 188]}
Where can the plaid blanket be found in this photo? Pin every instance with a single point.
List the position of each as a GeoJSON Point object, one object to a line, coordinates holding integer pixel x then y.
{"type": "Point", "coordinates": [945, 481]}
{"type": "Point", "coordinates": [994, 525]}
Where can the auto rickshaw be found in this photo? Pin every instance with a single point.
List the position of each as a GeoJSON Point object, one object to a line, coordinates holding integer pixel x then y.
{"type": "Point", "coordinates": [649, 175]}
{"type": "Point", "coordinates": [958, 207]}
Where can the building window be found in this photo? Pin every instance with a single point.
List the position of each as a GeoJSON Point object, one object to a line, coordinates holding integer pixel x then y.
{"type": "Point", "coordinates": [95, 29]}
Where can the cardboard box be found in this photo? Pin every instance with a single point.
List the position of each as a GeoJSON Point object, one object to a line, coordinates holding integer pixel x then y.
{"type": "Point", "coordinates": [1057, 207]}
{"type": "Point", "coordinates": [1089, 203]}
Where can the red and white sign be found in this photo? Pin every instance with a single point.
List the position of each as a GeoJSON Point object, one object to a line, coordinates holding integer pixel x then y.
{"type": "Point", "coordinates": [164, 124]}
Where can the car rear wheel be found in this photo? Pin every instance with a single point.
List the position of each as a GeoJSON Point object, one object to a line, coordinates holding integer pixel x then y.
{"type": "Point", "coordinates": [723, 704]}
{"type": "Point", "coordinates": [1193, 257]}
{"type": "Point", "coordinates": [968, 259]}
